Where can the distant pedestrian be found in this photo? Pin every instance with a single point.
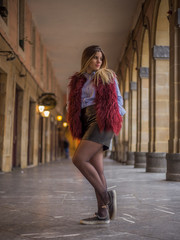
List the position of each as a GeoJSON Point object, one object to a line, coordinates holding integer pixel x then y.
{"type": "Point", "coordinates": [94, 114]}
{"type": "Point", "coordinates": [66, 148]}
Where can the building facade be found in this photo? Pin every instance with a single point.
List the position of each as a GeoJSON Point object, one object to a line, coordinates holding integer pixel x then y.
{"type": "Point", "coordinates": [26, 138]}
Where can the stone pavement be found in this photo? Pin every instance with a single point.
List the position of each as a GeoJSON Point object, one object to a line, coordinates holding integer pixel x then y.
{"type": "Point", "coordinates": [47, 202]}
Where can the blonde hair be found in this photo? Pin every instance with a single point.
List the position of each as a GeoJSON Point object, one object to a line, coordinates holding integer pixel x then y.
{"type": "Point", "coordinates": [105, 74]}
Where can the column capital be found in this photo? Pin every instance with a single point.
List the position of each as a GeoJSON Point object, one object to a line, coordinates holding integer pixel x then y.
{"type": "Point", "coordinates": [144, 72]}
{"type": "Point", "coordinates": [133, 85]}
{"type": "Point", "coordinates": [161, 52]}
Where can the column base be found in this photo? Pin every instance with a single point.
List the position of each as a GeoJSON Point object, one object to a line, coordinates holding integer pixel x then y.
{"type": "Point", "coordinates": [173, 167]}
{"type": "Point", "coordinates": [140, 160]}
{"type": "Point", "coordinates": [156, 162]}
{"type": "Point", "coordinates": [125, 150]}
{"type": "Point", "coordinates": [113, 155]}
{"type": "Point", "coordinates": [130, 158]}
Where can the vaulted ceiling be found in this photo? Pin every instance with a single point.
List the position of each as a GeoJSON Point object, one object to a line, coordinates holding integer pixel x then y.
{"type": "Point", "coordinates": [68, 26]}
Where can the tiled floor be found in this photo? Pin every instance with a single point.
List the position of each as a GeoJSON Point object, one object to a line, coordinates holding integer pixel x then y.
{"type": "Point", "coordinates": [47, 202]}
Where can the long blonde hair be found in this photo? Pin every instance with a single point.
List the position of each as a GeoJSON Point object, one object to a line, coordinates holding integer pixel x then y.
{"type": "Point", "coordinates": [104, 73]}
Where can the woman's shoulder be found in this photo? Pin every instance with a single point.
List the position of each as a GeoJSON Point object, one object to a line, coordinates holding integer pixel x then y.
{"type": "Point", "coordinates": [112, 75]}
{"type": "Point", "coordinates": [110, 72]}
{"type": "Point", "coordinates": [75, 79]}
{"type": "Point", "coordinates": [76, 76]}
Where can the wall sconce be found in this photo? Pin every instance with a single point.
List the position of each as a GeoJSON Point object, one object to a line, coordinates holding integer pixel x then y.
{"type": "Point", "coordinates": [48, 100]}
{"type": "Point", "coordinates": [10, 55]}
{"type": "Point", "coordinates": [41, 108]}
{"type": "Point", "coordinates": [45, 114]}
{"type": "Point", "coordinates": [59, 118]}
{"type": "Point", "coordinates": [3, 11]}
{"type": "Point", "coordinates": [65, 124]}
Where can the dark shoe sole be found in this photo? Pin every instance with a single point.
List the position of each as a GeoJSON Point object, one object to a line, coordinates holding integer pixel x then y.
{"type": "Point", "coordinates": [95, 220]}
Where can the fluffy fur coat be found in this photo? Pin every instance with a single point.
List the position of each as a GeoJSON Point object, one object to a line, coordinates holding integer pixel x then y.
{"type": "Point", "coordinates": [107, 109]}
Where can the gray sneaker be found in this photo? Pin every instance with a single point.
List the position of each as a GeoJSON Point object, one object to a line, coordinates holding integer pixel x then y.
{"type": "Point", "coordinates": [95, 220]}
{"type": "Point", "coordinates": [112, 204]}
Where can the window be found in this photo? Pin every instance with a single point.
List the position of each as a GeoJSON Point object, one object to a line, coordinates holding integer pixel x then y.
{"type": "Point", "coordinates": [52, 81]}
{"type": "Point", "coordinates": [47, 74]}
{"type": "Point", "coordinates": [33, 45]}
{"type": "Point", "coordinates": [21, 23]}
{"type": "Point", "coordinates": [4, 10]}
{"type": "Point", "coordinates": [42, 61]}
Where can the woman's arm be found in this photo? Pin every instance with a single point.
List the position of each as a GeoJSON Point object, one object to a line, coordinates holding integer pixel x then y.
{"type": "Point", "coordinates": [122, 111]}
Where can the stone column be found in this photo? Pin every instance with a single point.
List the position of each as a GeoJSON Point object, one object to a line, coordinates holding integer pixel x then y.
{"type": "Point", "coordinates": [25, 122]}
{"type": "Point", "coordinates": [173, 159]}
{"type": "Point", "coordinates": [126, 127]}
{"type": "Point", "coordinates": [133, 116]}
{"type": "Point", "coordinates": [143, 110]}
{"type": "Point", "coordinates": [144, 74]}
{"type": "Point", "coordinates": [47, 139]}
{"type": "Point", "coordinates": [36, 142]}
{"type": "Point", "coordinates": [161, 88]}
{"type": "Point", "coordinates": [120, 147]}
{"type": "Point", "coordinates": [9, 117]}
{"type": "Point", "coordinates": [125, 150]}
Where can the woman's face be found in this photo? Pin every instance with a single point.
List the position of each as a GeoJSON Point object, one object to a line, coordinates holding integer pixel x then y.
{"type": "Point", "coordinates": [95, 63]}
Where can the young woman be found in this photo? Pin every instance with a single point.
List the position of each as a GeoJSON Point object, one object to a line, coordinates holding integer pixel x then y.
{"type": "Point", "coordinates": [95, 114]}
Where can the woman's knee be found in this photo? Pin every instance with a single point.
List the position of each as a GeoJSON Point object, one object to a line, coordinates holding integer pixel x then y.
{"type": "Point", "coordinates": [74, 160]}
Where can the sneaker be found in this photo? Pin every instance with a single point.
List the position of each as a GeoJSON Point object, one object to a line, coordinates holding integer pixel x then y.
{"type": "Point", "coordinates": [96, 220]}
{"type": "Point", "coordinates": [113, 204]}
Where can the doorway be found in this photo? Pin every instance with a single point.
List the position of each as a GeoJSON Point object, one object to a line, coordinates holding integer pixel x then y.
{"type": "Point", "coordinates": [16, 157]}
{"type": "Point", "coordinates": [30, 151]}
{"type": "Point", "coordinates": [40, 139]}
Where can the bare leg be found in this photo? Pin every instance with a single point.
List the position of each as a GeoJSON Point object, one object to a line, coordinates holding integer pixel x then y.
{"type": "Point", "coordinates": [97, 162]}
{"type": "Point", "coordinates": [81, 159]}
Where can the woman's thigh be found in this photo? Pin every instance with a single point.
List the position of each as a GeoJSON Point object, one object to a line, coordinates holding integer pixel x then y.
{"type": "Point", "coordinates": [86, 150]}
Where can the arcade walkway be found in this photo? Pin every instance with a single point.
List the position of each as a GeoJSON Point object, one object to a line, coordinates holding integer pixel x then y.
{"type": "Point", "coordinates": [47, 202]}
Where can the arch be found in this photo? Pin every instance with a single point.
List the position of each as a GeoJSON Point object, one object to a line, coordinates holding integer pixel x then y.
{"type": "Point", "coordinates": [162, 25]}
